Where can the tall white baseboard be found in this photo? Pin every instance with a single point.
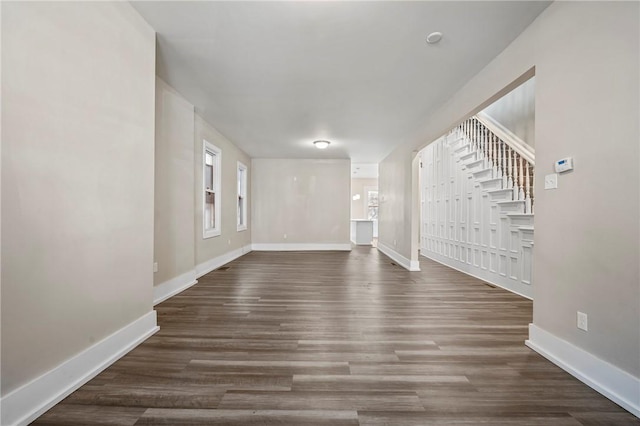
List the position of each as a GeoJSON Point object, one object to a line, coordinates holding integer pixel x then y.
{"type": "Point", "coordinates": [410, 265]}
{"type": "Point", "coordinates": [504, 282]}
{"type": "Point", "coordinates": [301, 247]}
{"type": "Point", "coordinates": [612, 382]}
{"type": "Point", "coordinates": [171, 287]}
{"type": "Point", "coordinates": [208, 266]}
{"type": "Point", "coordinates": [30, 401]}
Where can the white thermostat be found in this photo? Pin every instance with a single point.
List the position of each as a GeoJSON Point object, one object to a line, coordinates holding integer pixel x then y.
{"type": "Point", "coordinates": [564, 165]}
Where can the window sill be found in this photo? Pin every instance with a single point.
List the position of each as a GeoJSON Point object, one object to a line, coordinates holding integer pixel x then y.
{"type": "Point", "coordinates": [242, 228]}
{"type": "Point", "coordinates": [210, 234]}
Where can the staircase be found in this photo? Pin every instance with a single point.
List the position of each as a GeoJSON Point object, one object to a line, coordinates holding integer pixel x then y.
{"type": "Point", "coordinates": [477, 196]}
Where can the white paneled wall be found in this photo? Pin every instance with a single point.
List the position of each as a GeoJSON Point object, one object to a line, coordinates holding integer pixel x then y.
{"type": "Point", "coordinates": [468, 221]}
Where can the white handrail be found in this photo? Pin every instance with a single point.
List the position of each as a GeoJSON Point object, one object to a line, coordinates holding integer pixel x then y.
{"type": "Point", "coordinates": [521, 147]}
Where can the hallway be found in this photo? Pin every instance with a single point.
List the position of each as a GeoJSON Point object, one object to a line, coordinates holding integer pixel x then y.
{"type": "Point", "coordinates": [337, 338]}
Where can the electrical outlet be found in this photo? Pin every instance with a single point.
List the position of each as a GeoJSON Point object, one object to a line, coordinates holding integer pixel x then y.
{"type": "Point", "coordinates": [229, 241]}
{"type": "Point", "coordinates": [582, 321]}
{"type": "Point", "coordinates": [285, 236]}
{"type": "Point", "coordinates": [394, 242]}
{"type": "Point", "coordinates": [155, 266]}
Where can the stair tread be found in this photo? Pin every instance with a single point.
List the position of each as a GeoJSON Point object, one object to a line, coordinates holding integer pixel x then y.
{"type": "Point", "coordinates": [509, 201]}
{"type": "Point", "coordinates": [495, 191]}
{"type": "Point", "coordinates": [483, 170]}
{"type": "Point", "coordinates": [467, 156]}
{"type": "Point", "coordinates": [461, 147]}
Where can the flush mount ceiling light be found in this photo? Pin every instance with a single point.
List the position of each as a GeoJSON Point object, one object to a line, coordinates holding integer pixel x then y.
{"type": "Point", "coordinates": [435, 37]}
{"type": "Point", "coordinates": [321, 144]}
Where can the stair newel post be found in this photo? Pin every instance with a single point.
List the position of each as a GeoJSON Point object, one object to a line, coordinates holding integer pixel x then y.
{"type": "Point", "coordinates": [533, 190]}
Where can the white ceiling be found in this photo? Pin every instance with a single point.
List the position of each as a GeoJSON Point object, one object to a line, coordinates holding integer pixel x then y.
{"type": "Point", "coordinates": [274, 76]}
{"type": "Point", "coordinates": [364, 170]}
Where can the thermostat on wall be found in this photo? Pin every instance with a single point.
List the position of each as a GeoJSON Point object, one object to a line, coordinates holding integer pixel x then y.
{"type": "Point", "coordinates": [564, 165]}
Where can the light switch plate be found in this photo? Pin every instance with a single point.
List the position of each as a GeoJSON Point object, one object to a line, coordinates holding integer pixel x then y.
{"type": "Point", "coordinates": [551, 181]}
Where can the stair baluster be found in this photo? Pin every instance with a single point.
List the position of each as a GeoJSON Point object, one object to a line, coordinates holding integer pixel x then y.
{"type": "Point", "coordinates": [494, 155]}
{"type": "Point", "coordinates": [500, 157]}
{"type": "Point", "coordinates": [509, 169]}
{"type": "Point", "coordinates": [503, 165]}
{"type": "Point", "coordinates": [527, 198]}
{"type": "Point", "coordinates": [514, 174]}
{"type": "Point", "coordinates": [521, 194]}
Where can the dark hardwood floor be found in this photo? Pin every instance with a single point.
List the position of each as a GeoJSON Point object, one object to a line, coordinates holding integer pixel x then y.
{"type": "Point", "coordinates": [337, 338]}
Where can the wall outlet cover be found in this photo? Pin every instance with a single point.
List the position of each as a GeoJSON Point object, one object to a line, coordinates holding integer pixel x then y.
{"type": "Point", "coordinates": [551, 181]}
{"type": "Point", "coordinates": [583, 321]}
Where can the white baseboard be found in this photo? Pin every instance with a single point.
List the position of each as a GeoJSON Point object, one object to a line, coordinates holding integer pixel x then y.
{"type": "Point", "coordinates": [410, 265]}
{"type": "Point", "coordinates": [25, 404]}
{"type": "Point", "coordinates": [301, 247]}
{"type": "Point", "coordinates": [171, 287]}
{"type": "Point", "coordinates": [612, 382]}
{"type": "Point", "coordinates": [509, 286]}
{"type": "Point", "coordinates": [208, 266]}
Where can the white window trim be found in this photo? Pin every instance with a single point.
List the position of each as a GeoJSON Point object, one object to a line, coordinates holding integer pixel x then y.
{"type": "Point", "coordinates": [243, 185]}
{"type": "Point", "coordinates": [216, 231]}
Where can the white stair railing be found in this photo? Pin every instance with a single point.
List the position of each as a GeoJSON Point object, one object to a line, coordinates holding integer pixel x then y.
{"type": "Point", "coordinates": [509, 158]}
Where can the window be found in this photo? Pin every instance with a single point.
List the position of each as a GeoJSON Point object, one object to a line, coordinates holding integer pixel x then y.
{"type": "Point", "coordinates": [211, 165]}
{"type": "Point", "coordinates": [372, 205]}
{"type": "Point", "coordinates": [242, 197]}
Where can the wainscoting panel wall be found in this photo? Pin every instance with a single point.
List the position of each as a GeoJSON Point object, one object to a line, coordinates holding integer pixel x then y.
{"type": "Point", "coordinates": [469, 219]}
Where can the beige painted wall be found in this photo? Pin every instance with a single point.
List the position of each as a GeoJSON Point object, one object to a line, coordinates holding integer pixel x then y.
{"type": "Point", "coordinates": [306, 199]}
{"type": "Point", "coordinates": [174, 247]}
{"type": "Point", "coordinates": [587, 106]}
{"type": "Point", "coordinates": [394, 196]}
{"type": "Point", "coordinates": [77, 179]}
{"type": "Point", "coordinates": [516, 111]}
{"type": "Point", "coordinates": [360, 186]}
{"type": "Point", "coordinates": [230, 239]}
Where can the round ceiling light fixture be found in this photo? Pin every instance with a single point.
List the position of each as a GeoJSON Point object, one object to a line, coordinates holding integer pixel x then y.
{"type": "Point", "coordinates": [434, 37]}
{"type": "Point", "coordinates": [321, 144]}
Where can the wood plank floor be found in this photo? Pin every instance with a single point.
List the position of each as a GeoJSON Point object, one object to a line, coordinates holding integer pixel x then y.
{"type": "Point", "coordinates": [337, 338]}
